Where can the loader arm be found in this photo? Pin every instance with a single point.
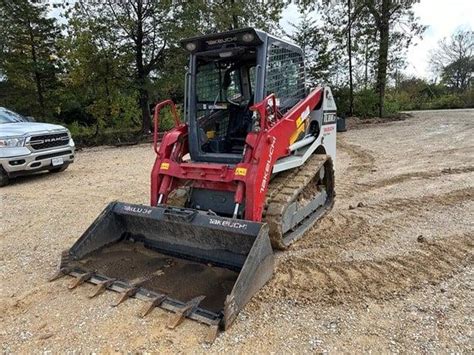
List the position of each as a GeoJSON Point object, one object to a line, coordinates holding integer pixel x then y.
{"type": "Point", "coordinates": [249, 179]}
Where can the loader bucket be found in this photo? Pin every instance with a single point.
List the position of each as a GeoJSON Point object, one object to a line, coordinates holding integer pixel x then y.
{"type": "Point", "coordinates": [195, 264]}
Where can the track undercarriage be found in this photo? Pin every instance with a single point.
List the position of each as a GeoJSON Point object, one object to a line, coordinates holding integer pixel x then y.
{"type": "Point", "coordinates": [297, 198]}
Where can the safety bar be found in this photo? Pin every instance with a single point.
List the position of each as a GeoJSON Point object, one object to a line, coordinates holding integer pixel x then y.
{"type": "Point", "coordinates": [156, 116]}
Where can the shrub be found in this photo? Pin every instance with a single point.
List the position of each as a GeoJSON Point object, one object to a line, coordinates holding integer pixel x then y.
{"type": "Point", "coordinates": [87, 137]}
{"type": "Point", "coordinates": [365, 103]}
{"type": "Point", "coordinates": [467, 98]}
{"type": "Point", "coordinates": [167, 120]}
{"type": "Point", "coordinates": [341, 96]}
{"type": "Point", "coordinates": [447, 101]}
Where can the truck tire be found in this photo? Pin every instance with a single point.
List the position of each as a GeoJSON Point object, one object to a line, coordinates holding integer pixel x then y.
{"type": "Point", "coordinates": [59, 169]}
{"type": "Point", "coordinates": [4, 180]}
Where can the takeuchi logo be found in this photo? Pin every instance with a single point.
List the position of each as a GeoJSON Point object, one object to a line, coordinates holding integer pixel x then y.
{"type": "Point", "coordinates": [268, 165]}
{"type": "Point", "coordinates": [221, 40]}
{"type": "Point", "coordinates": [141, 210]}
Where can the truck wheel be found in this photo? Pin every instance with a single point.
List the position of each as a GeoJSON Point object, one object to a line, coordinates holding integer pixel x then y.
{"type": "Point", "coordinates": [4, 180]}
{"type": "Point", "coordinates": [59, 169]}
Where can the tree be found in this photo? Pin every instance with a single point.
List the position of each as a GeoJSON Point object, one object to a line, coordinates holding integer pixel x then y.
{"type": "Point", "coordinates": [314, 43]}
{"type": "Point", "coordinates": [150, 30]}
{"type": "Point", "coordinates": [458, 75]}
{"type": "Point", "coordinates": [141, 29]}
{"type": "Point", "coordinates": [232, 14]}
{"type": "Point", "coordinates": [109, 54]}
{"type": "Point", "coordinates": [342, 27]}
{"type": "Point", "coordinates": [454, 59]}
{"type": "Point", "coordinates": [387, 16]}
{"type": "Point", "coordinates": [364, 49]}
{"type": "Point", "coordinates": [28, 60]}
{"type": "Point", "coordinates": [97, 87]}
{"type": "Point", "coordinates": [345, 25]}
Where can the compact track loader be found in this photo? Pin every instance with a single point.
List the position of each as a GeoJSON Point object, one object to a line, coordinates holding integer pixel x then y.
{"type": "Point", "coordinates": [251, 168]}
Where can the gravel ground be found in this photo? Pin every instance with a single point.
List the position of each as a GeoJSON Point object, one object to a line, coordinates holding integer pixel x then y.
{"type": "Point", "coordinates": [390, 269]}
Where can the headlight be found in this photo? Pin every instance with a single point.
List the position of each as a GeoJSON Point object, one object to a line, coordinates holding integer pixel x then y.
{"type": "Point", "coordinates": [190, 46]}
{"type": "Point", "coordinates": [11, 142]}
{"type": "Point", "coordinates": [248, 37]}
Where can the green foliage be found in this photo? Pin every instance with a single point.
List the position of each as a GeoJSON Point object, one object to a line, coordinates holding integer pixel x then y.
{"type": "Point", "coordinates": [78, 130]}
{"type": "Point", "coordinates": [467, 97]}
{"type": "Point", "coordinates": [341, 96]}
{"type": "Point", "coordinates": [73, 111]}
{"type": "Point", "coordinates": [391, 105]}
{"type": "Point", "coordinates": [167, 120]}
{"type": "Point", "coordinates": [98, 76]}
{"type": "Point", "coordinates": [218, 15]}
{"type": "Point", "coordinates": [458, 74]}
{"type": "Point", "coordinates": [417, 94]}
{"type": "Point", "coordinates": [447, 101]}
{"type": "Point", "coordinates": [314, 41]}
{"type": "Point", "coordinates": [414, 94]}
{"type": "Point", "coordinates": [88, 137]}
{"type": "Point", "coordinates": [28, 59]}
{"type": "Point", "coordinates": [366, 103]}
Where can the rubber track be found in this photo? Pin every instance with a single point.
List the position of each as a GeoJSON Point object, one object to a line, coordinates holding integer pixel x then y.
{"type": "Point", "coordinates": [285, 188]}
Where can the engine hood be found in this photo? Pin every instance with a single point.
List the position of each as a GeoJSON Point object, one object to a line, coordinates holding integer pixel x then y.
{"type": "Point", "coordinates": [27, 128]}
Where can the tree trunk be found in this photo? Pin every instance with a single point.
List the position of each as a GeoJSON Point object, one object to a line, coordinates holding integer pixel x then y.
{"type": "Point", "coordinates": [235, 20]}
{"type": "Point", "coordinates": [349, 50]}
{"type": "Point", "coordinates": [107, 89]}
{"type": "Point", "coordinates": [384, 30]}
{"type": "Point", "coordinates": [144, 105]}
{"type": "Point", "coordinates": [366, 63]}
{"type": "Point", "coordinates": [37, 75]}
{"type": "Point", "coordinates": [141, 77]}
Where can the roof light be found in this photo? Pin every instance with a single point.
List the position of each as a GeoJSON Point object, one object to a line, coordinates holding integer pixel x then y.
{"type": "Point", "coordinates": [190, 46]}
{"type": "Point", "coordinates": [248, 37]}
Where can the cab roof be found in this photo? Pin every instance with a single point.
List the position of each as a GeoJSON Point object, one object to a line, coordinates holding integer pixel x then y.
{"type": "Point", "coordinates": [239, 37]}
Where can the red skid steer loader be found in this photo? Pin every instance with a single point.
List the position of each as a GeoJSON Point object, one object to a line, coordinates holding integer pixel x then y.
{"type": "Point", "coordinates": [251, 168]}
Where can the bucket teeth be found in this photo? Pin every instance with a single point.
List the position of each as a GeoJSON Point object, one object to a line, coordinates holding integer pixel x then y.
{"type": "Point", "coordinates": [80, 280]}
{"type": "Point", "coordinates": [211, 334]}
{"type": "Point", "coordinates": [60, 273]}
{"type": "Point", "coordinates": [156, 302]}
{"type": "Point", "coordinates": [188, 308]}
{"type": "Point", "coordinates": [63, 268]}
{"type": "Point", "coordinates": [126, 294]}
{"type": "Point", "coordinates": [101, 287]}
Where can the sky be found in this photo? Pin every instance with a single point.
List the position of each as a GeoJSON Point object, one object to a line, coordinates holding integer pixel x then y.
{"type": "Point", "coordinates": [442, 18]}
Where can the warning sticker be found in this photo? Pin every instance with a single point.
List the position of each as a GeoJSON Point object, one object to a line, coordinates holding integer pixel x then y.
{"type": "Point", "coordinates": [241, 171]}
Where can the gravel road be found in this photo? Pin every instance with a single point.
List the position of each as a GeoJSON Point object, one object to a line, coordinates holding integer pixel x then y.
{"type": "Point", "coordinates": [390, 269]}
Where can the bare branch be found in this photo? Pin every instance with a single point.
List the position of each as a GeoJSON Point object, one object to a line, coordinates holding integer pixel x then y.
{"type": "Point", "coordinates": [126, 30]}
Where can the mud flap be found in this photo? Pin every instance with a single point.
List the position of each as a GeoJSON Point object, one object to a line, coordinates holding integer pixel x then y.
{"type": "Point", "coordinates": [196, 264]}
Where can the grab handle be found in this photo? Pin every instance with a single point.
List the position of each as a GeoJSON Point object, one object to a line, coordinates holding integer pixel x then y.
{"type": "Point", "coordinates": [156, 119]}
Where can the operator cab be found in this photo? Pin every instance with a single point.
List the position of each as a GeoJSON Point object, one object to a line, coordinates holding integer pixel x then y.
{"type": "Point", "coordinates": [224, 94]}
{"type": "Point", "coordinates": [226, 79]}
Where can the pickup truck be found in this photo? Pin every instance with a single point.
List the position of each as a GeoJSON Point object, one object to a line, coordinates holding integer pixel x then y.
{"type": "Point", "coordinates": [28, 147]}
